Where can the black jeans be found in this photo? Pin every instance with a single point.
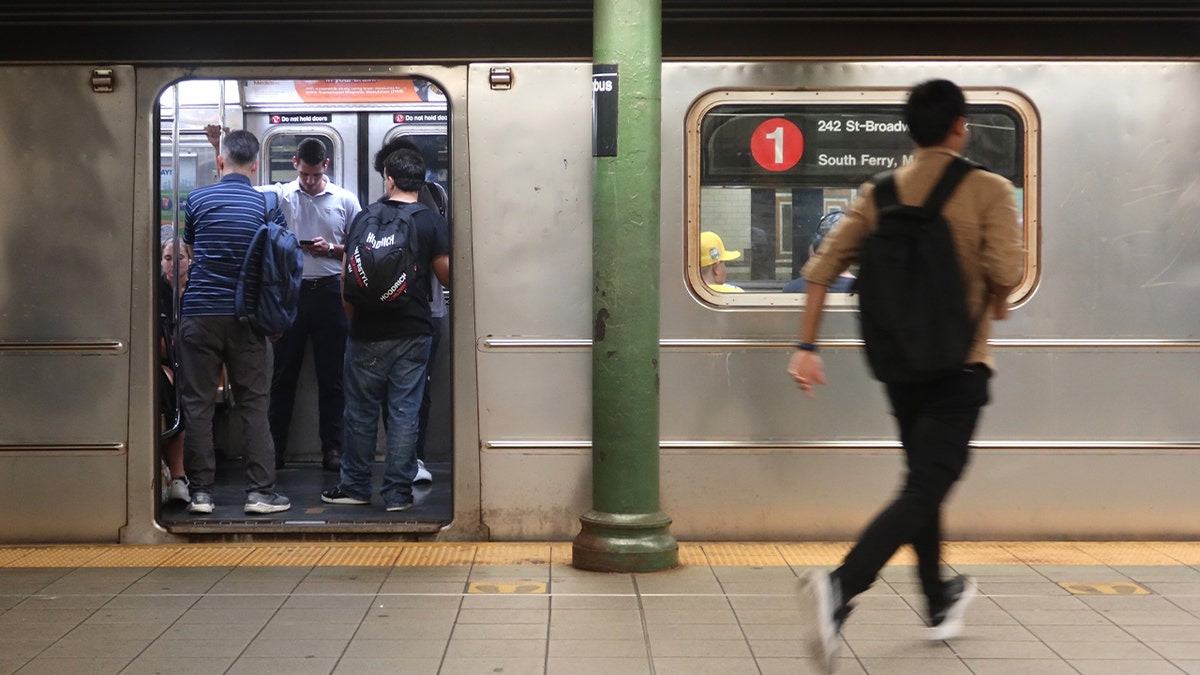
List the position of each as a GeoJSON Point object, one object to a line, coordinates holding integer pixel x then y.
{"type": "Point", "coordinates": [936, 421]}
{"type": "Point", "coordinates": [321, 319]}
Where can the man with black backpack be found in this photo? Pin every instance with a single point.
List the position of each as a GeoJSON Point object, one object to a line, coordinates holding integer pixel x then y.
{"type": "Point", "coordinates": [936, 395]}
{"type": "Point", "coordinates": [390, 249]}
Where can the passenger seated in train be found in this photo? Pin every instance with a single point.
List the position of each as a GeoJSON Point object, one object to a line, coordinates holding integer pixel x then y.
{"type": "Point", "coordinates": [169, 289]}
{"type": "Point", "coordinates": [845, 281]}
{"type": "Point", "coordinates": [712, 263]}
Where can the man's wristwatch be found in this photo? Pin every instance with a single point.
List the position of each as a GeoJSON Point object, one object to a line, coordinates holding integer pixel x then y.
{"type": "Point", "coordinates": [331, 252]}
{"type": "Point", "coordinates": [807, 347]}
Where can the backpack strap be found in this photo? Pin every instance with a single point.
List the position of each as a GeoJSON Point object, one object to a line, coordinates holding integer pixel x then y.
{"type": "Point", "coordinates": [885, 186]}
{"type": "Point", "coordinates": [951, 177]}
{"type": "Point", "coordinates": [885, 190]}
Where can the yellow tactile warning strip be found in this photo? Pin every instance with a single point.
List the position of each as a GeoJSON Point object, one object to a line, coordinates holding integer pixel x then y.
{"type": "Point", "coordinates": [381, 554]}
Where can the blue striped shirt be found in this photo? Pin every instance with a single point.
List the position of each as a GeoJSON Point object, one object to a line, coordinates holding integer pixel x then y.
{"type": "Point", "coordinates": [220, 221]}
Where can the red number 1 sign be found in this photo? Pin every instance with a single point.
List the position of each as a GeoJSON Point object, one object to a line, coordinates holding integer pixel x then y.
{"type": "Point", "coordinates": [777, 144]}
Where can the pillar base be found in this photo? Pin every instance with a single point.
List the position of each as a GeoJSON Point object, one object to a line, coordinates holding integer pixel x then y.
{"type": "Point", "coordinates": [624, 542]}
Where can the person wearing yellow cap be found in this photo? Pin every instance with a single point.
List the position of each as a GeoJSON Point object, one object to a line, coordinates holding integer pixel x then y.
{"type": "Point", "coordinates": [712, 263]}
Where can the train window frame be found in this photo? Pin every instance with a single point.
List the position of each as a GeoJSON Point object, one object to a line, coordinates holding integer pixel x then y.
{"type": "Point", "coordinates": [335, 149]}
{"type": "Point", "coordinates": [1027, 152]}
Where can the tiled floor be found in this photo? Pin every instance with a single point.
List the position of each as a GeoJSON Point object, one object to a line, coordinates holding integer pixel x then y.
{"type": "Point", "coordinates": [521, 608]}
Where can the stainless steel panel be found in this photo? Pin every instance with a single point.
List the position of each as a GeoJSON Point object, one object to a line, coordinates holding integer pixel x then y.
{"type": "Point", "coordinates": [65, 297]}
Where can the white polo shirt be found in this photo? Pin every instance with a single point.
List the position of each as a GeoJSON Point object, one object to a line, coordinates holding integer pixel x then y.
{"type": "Point", "coordinates": [327, 215]}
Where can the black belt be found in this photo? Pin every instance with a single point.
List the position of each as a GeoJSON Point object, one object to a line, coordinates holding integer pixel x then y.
{"type": "Point", "coordinates": [319, 282]}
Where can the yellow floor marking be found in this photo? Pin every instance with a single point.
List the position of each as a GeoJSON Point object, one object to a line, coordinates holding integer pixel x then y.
{"type": "Point", "coordinates": [135, 556]}
{"type": "Point", "coordinates": [1049, 553]}
{"type": "Point", "coordinates": [1125, 553]}
{"type": "Point", "coordinates": [1187, 553]}
{"type": "Point", "coordinates": [978, 553]}
{"type": "Point", "coordinates": [209, 556]}
{"type": "Point", "coordinates": [507, 588]}
{"type": "Point", "coordinates": [361, 556]}
{"type": "Point", "coordinates": [1089, 588]}
{"type": "Point", "coordinates": [59, 556]}
{"type": "Point", "coordinates": [757, 555]}
{"type": "Point", "coordinates": [562, 553]}
{"type": "Point", "coordinates": [691, 554]}
{"type": "Point", "coordinates": [284, 556]}
{"type": "Point", "coordinates": [442, 555]}
{"type": "Point", "coordinates": [427, 554]}
{"type": "Point", "coordinates": [823, 554]}
{"type": "Point", "coordinates": [512, 554]}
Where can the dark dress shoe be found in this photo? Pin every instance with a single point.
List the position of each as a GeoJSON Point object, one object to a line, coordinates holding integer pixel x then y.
{"type": "Point", "coordinates": [331, 462]}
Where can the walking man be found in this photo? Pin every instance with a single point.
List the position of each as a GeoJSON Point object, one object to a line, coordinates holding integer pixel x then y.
{"type": "Point", "coordinates": [936, 419]}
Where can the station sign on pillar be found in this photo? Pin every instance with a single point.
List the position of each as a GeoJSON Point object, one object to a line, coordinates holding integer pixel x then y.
{"type": "Point", "coordinates": [604, 110]}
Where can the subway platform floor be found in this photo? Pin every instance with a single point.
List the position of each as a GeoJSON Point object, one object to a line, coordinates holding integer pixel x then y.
{"type": "Point", "coordinates": [514, 608]}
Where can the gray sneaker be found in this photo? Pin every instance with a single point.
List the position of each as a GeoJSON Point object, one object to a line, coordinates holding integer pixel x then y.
{"type": "Point", "coordinates": [261, 502]}
{"type": "Point", "coordinates": [201, 502]}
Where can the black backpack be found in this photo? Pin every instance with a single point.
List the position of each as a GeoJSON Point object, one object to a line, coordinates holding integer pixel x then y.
{"type": "Point", "coordinates": [912, 298]}
{"type": "Point", "coordinates": [381, 267]}
{"type": "Point", "coordinates": [267, 296]}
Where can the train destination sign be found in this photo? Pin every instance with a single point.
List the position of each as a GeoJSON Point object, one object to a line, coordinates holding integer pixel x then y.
{"type": "Point", "coordinates": [835, 145]}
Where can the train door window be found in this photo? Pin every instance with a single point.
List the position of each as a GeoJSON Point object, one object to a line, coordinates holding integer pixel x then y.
{"type": "Point", "coordinates": [434, 147]}
{"type": "Point", "coordinates": [280, 148]}
{"type": "Point", "coordinates": [771, 173]}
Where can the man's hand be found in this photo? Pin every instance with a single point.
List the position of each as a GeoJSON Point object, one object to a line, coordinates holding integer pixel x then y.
{"type": "Point", "coordinates": [213, 133]}
{"type": "Point", "coordinates": [807, 369]}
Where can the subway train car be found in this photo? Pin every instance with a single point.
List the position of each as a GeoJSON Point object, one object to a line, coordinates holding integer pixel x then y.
{"type": "Point", "coordinates": [773, 114]}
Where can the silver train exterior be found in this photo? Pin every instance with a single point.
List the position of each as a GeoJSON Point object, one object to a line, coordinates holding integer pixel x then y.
{"type": "Point", "coordinates": [1091, 433]}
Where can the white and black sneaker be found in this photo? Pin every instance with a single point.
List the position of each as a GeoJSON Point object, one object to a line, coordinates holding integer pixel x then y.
{"type": "Point", "coordinates": [336, 495]}
{"type": "Point", "coordinates": [821, 600]}
{"type": "Point", "coordinates": [946, 620]}
{"type": "Point", "coordinates": [263, 502]}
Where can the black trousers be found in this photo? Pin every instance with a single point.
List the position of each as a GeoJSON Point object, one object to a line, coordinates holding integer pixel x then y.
{"type": "Point", "coordinates": [936, 421]}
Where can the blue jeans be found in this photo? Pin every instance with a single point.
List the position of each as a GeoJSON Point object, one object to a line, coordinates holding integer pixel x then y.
{"type": "Point", "coordinates": [390, 372]}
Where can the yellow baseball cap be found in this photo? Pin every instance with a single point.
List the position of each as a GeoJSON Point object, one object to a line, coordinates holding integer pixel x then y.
{"type": "Point", "coordinates": [712, 249]}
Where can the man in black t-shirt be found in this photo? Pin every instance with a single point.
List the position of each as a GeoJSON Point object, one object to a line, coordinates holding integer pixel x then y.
{"type": "Point", "coordinates": [386, 355]}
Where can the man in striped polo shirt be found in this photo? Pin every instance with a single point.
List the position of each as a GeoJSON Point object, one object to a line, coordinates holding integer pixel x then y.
{"type": "Point", "coordinates": [220, 221]}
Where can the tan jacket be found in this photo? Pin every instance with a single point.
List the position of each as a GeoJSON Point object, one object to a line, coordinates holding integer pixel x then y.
{"type": "Point", "coordinates": [983, 217]}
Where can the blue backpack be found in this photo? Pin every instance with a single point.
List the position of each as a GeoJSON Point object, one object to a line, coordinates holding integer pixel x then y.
{"type": "Point", "coordinates": [268, 287]}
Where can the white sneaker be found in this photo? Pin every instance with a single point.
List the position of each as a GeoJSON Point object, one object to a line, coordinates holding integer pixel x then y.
{"type": "Point", "coordinates": [947, 623]}
{"type": "Point", "coordinates": [179, 490]}
{"type": "Point", "coordinates": [423, 475]}
{"type": "Point", "coordinates": [821, 603]}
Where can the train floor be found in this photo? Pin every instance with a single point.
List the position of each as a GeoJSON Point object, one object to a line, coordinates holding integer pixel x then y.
{"type": "Point", "coordinates": [513, 608]}
{"type": "Point", "coordinates": [302, 483]}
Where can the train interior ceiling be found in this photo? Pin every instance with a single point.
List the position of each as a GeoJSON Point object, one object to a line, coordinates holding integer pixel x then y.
{"type": "Point", "coordinates": [353, 119]}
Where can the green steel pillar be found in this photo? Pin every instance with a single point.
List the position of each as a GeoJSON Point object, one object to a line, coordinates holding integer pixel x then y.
{"type": "Point", "coordinates": [626, 531]}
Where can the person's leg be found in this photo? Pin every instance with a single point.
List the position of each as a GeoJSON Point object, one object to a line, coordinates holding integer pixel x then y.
{"type": "Point", "coordinates": [365, 385]}
{"type": "Point", "coordinates": [329, 352]}
{"type": "Point", "coordinates": [199, 375]}
{"type": "Point", "coordinates": [406, 382]}
{"type": "Point", "coordinates": [288, 359]}
{"type": "Point", "coordinates": [251, 386]}
{"type": "Point", "coordinates": [936, 422]}
{"type": "Point", "coordinates": [426, 397]}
